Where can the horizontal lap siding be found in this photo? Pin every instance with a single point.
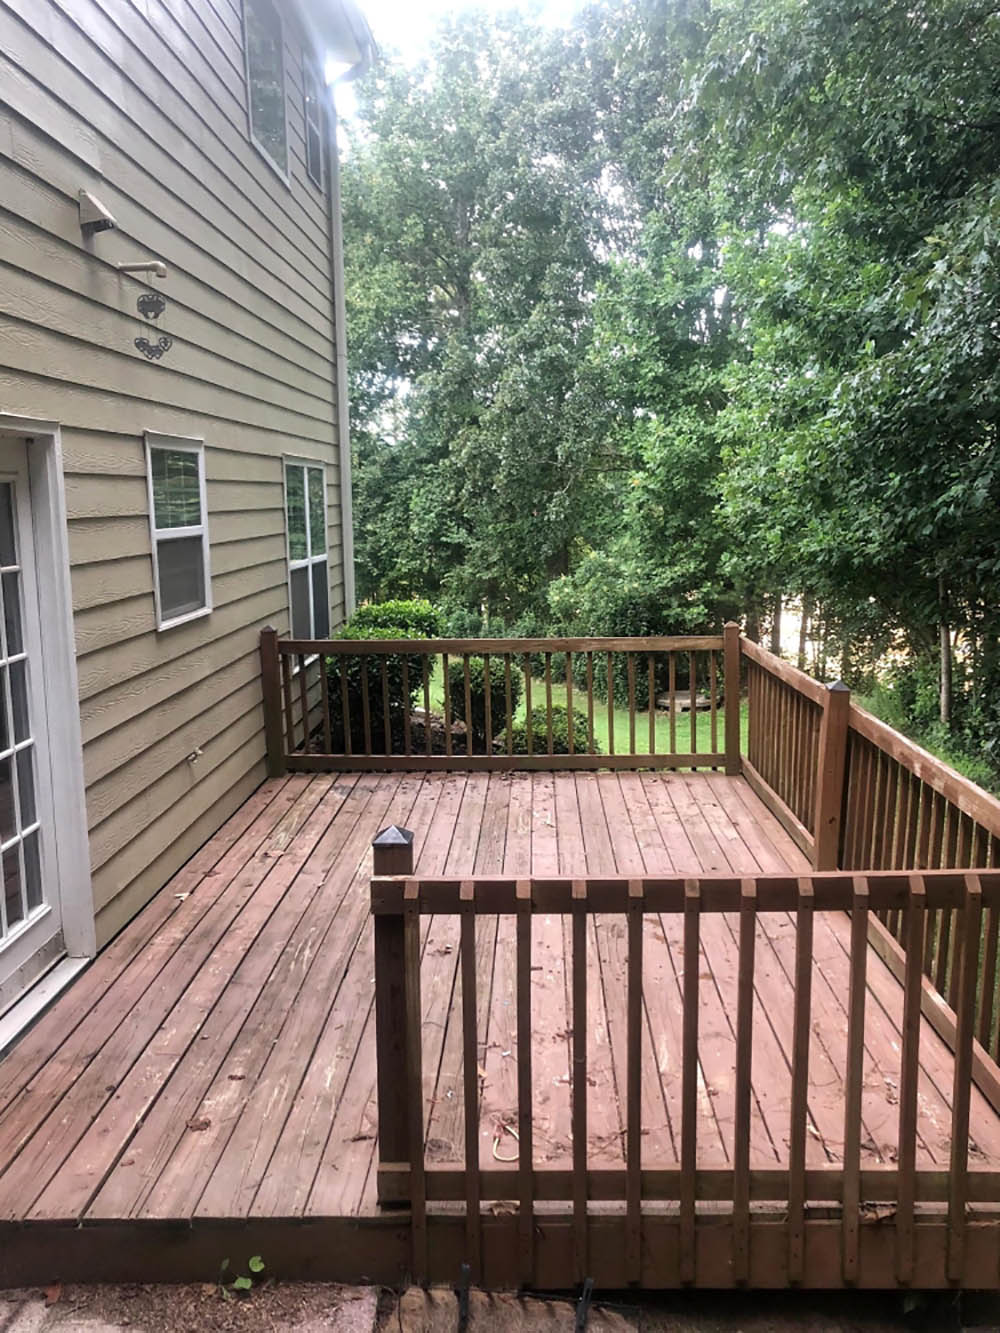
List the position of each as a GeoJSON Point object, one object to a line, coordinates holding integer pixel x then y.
{"type": "Point", "coordinates": [146, 107]}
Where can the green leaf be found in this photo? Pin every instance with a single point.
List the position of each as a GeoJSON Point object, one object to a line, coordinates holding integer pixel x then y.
{"type": "Point", "coordinates": [243, 1284]}
{"type": "Point", "coordinates": [256, 1264]}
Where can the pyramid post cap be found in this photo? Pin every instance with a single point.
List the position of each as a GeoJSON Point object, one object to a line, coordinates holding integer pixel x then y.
{"type": "Point", "coordinates": [393, 836]}
{"type": "Point", "coordinates": [838, 687]}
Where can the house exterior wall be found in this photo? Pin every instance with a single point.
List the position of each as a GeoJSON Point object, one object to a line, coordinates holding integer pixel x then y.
{"type": "Point", "coordinates": [145, 105]}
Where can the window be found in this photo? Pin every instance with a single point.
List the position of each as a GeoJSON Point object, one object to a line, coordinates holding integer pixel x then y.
{"type": "Point", "coordinates": [308, 578]}
{"type": "Point", "coordinates": [266, 80]}
{"type": "Point", "coordinates": [314, 125]}
{"type": "Point", "coordinates": [177, 517]}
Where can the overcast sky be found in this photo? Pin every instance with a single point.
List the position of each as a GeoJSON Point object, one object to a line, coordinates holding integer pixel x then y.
{"type": "Point", "coordinates": [404, 25]}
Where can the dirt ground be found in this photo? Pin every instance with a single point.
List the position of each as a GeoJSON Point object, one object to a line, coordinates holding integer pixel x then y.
{"type": "Point", "coordinates": [325, 1308]}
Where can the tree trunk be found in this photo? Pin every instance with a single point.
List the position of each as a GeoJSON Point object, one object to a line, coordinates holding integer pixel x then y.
{"type": "Point", "coordinates": [944, 633]}
{"type": "Point", "coordinates": [776, 626]}
{"type": "Point", "coordinates": [753, 621]}
{"type": "Point", "coordinates": [804, 631]}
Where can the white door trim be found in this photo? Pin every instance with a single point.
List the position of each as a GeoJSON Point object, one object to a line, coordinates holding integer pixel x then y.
{"type": "Point", "coordinates": [69, 808]}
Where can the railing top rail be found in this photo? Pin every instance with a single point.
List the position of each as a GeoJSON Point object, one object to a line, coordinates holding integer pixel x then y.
{"type": "Point", "coordinates": [379, 647]}
{"type": "Point", "coordinates": [829, 891]}
{"type": "Point", "coordinates": [970, 799]}
{"type": "Point", "coordinates": [784, 671]}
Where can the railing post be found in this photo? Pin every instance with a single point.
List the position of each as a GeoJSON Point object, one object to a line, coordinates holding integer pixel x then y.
{"type": "Point", "coordinates": [731, 663]}
{"type": "Point", "coordinates": [393, 855]}
{"type": "Point", "coordinates": [831, 767]}
{"type": "Point", "coordinates": [270, 677]}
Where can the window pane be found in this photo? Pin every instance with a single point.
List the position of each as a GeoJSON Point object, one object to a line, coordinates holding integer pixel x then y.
{"type": "Point", "coordinates": [32, 872]}
{"type": "Point", "coordinates": [266, 67]}
{"type": "Point", "coordinates": [19, 699]}
{"type": "Point", "coordinates": [314, 135]}
{"type": "Point", "coordinates": [182, 576]}
{"type": "Point", "coordinates": [5, 741]}
{"type": "Point", "coordinates": [321, 601]}
{"type": "Point", "coordinates": [8, 823]}
{"type": "Point", "coordinates": [8, 545]}
{"type": "Point", "coordinates": [296, 505]}
{"type": "Point", "coordinates": [26, 786]}
{"type": "Point", "coordinates": [317, 511]}
{"type": "Point", "coordinates": [12, 613]}
{"type": "Point", "coordinates": [176, 491]}
{"type": "Point", "coordinates": [12, 885]}
{"type": "Point", "coordinates": [301, 627]}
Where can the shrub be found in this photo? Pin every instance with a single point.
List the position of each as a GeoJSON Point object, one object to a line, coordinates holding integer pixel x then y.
{"type": "Point", "coordinates": [415, 619]}
{"type": "Point", "coordinates": [538, 724]}
{"type": "Point", "coordinates": [477, 695]}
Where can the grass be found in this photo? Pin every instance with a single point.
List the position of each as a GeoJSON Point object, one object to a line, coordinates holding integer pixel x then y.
{"type": "Point", "coordinates": [884, 705]}
{"type": "Point", "coordinates": [703, 721]}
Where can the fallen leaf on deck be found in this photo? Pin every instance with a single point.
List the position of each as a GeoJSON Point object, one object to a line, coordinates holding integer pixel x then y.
{"type": "Point", "coordinates": [53, 1293]}
{"type": "Point", "coordinates": [198, 1125]}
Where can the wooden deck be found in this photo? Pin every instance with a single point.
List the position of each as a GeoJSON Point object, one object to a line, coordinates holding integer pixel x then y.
{"type": "Point", "coordinates": [206, 1090]}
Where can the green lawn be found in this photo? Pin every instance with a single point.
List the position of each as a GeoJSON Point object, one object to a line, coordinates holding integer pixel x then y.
{"type": "Point", "coordinates": [703, 724]}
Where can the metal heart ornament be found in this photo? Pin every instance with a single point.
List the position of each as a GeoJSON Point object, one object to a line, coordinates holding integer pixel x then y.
{"type": "Point", "coordinates": [153, 351]}
{"type": "Point", "coordinates": [151, 305]}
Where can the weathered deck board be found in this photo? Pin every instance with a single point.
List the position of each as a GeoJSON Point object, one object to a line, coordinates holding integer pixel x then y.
{"type": "Point", "coordinates": [218, 1061]}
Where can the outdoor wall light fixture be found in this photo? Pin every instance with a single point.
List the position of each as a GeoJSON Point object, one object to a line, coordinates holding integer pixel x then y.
{"type": "Point", "coordinates": [153, 267]}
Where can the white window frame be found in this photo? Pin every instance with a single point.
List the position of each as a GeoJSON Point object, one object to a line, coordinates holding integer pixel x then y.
{"type": "Point", "coordinates": [309, 75]}
{"type": "Point", "coordinates": [310, 559]}
{"type": "Point", "coordinates": [180, 444]}
{"type": "Point", "coordinates": [283, 174]}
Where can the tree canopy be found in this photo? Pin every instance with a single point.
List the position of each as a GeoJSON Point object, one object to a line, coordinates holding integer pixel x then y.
{"type": "Point", "coordinates": [683, 310]}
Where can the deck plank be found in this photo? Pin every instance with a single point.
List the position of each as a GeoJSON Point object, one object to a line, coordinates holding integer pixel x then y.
{"type": "Point", "coordinates": [243, 997]}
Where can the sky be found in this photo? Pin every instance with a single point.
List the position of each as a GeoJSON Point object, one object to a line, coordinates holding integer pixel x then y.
{"type": "Point", "coordinates": [404, 25]}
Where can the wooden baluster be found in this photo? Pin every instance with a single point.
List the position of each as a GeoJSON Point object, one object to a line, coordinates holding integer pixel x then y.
{"type": "Point", "coordinates": [744, 1065]}
{"type": "Point", "coordinates": [651, 694]}
{"type": "Point", "coordinates": [407, 733]}
{"type": "Point", "coordinates": [969, 927]}
{"type": "Point", "coordinates": [415, 1082]}
{"type": "Point", "coordinates": [488, 703]}
{"type": "Point", "coordinates": [345, 705]}
{"type": "Point", "coordinates": [304, 701]}
{"type": "Point", "coordinates": [630, 674]}
{"type": "Point", "coordinates": [672, 691]}
{"type": "Point", "coordinates": [286, 692]}
{"type": "Point", "coordinates": [578, 1112]}
{"type": "Point", "coordinates": [386, 712]}
{"type": "Point", "coordinates": [590, 703]}
{"type": "Point", "coordinates": [527, 703]}
{"type": "Point", "coordinates": [468, 703]}
{"type": "Point", "coordinates": [426, 674]}
{"type": "Point", "coordinates": [693, 681]}
{"type": "Point", "coordinates": [446, 682]}
{"type": "Point", "coordinates": [633, 1067]}
{"type": "Point", "coordinates": [470, 1072]}
{"type": "Point", "coordinates": [324, 686]}
{"type": "Point", "coordinates": [508, 705]}
{"type": "Point", "coordinates": [713, 695]}
{"type": "Point", "coordinates": [366, 712]}
{"type": "Point", "coordinates": [571, 741]}
{"type": "Point", "coordinates": [800, 1082]}
{"type": "Point", "coordinates": [270, 675]}
{"type": "Point", "coordinates": [611, 707]}
{"type": "Point", "coordinates": [906, 1158]}
{"type": "Point", "coordinates": [548, 701]}
{"type": "Point", "coordinates": [525, 1156]}
{"type": "Point", "coordinates": [855, 1077]}
{"type": "Point", "coordinates": [689, 1083]}
{"type": "Point", "coordinates": [989, 980]}
{"type": "Point", "coordinates": [938, 813]}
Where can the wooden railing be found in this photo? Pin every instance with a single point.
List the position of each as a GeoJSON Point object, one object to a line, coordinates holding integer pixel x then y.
{"type": "Point", "coordinates": [462, 703]}
{"type": "Point", "coordinates": [796, 739]}
{"type": "Point", "coordinates": [405, 1176]}
{"type": "Point", "coordinates": [857, 795]}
